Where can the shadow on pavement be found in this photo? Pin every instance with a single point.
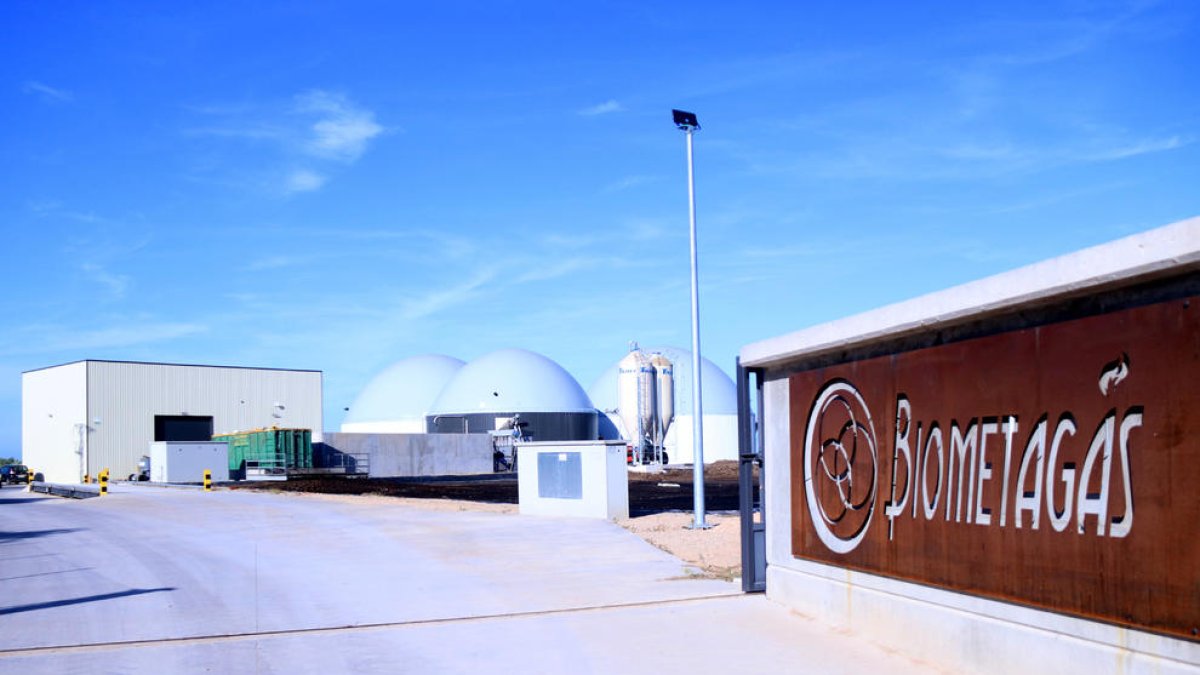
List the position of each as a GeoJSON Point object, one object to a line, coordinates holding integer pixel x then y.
{"type": "Point", "coordinates": [6, 537]}
{"type": "Point", "coordinates": [23, 500]}
{"type": "Point", "coordinates": [79, 601]}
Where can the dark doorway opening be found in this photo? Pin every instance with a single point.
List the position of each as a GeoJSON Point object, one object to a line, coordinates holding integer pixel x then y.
{"type": "Point", "coordinates": [183, 428]}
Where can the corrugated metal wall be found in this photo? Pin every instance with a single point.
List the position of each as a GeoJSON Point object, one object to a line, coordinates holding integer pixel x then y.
{"type": "Point", "coordinates": [54, 421]}
{"type": "Point", "coordinates": [123, 399]}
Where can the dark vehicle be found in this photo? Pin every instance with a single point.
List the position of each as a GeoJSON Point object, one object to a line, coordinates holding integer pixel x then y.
{"type": "Point", "coordinates": [14, 473]}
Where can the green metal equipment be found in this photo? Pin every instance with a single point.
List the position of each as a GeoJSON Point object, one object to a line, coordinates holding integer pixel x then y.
{"type": "Point", "coordinates": [268, 452]}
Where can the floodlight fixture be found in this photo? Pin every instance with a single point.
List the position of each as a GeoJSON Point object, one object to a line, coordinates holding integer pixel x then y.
{"type": "Point", "coordinates": [685, 120]}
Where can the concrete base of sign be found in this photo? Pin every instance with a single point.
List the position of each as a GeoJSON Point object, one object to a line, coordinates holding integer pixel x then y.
{"type": "Point", "coordinates": [961, 633]}
{"type": "Point", "coordinates": [573, 478]}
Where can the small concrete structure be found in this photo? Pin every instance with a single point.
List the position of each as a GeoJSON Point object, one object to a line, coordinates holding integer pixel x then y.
{"type": "Point", "coordinates": [186, 461]}
{"type": "Point", "coordinates": [411, 455]}
{"type": "Point", "coordinates": [573, 478]}
{"type": "Point", "coordinates": [70, 491]}
{"type": "Point", "coordinates": [859, 414]}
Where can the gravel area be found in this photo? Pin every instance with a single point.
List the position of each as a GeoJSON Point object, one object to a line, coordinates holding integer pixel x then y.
{"type": "Point", "coordinates": [716, 550]}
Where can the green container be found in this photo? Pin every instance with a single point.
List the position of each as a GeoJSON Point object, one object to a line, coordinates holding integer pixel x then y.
{"type": "Point", "coordinates": [268, 449]}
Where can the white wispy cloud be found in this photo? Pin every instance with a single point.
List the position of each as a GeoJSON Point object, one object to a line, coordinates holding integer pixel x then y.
{"type": "Point", "coordinates": [614, 237]}
{"type": "Point", "coordinates": [317, 133]}
{"type": "Point", "coordinates": [630, 182]}
{"type": "Point", "coordinates": [648, 229]}
{"type": "Point", "coordinates": [53, 209]}
{"type": "Point", "coordinates": [1146, 146]}
{"type": "Point", "coordinates": [554, 270]}
{"type": "Point", "coordinates": [49, 339]}
{"type": "Point", "coordinates": [437, 300]}
{"type": "Point", "coordinates": [609, 106]}
{"type": "Point", "coordinates": [303, 180]}
{"type": "Point", "coordinates": [275, 262]}
{"type": "Point", "coordinates": [546, 268]}
{"type": "Point", "coordinates": [115, 284]}
{"type": "Point", "coordinates": [48, 92]}
{"type": "Point", "coordinates": [1085, 148]}
{"type": "Point", "coordinates": [253, 130]}
{"type": "Point", "coordinates": [962, 157]}
{"type": "Point", "coordinates": [342, 129]}
{"type": "Point", "coordinates": [1057, 196]}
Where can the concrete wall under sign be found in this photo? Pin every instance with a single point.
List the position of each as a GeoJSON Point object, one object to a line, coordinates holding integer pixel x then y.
{"type": "Point", "coordinates": [186, 461]}
{"type": "Point", "coordinates": [406, 455]}
{"type": "Point", "coordinates": [1070, 388]}
{"type": "Point", "coordinates": [573, 478]}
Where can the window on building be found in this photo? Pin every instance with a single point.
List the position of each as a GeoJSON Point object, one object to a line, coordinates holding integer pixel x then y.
{"type": "Point", "coordinates": [183, 428]}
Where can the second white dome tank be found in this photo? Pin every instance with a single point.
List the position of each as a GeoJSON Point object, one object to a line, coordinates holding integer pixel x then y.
{"type": "Point", "coordinates": [510, 380]}
{"type": "Point", "coordinates": [398, 398]}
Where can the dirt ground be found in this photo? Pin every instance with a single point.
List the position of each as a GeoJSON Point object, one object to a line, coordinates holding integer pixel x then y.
{"type": "Point", "coordinates": [660, 506]}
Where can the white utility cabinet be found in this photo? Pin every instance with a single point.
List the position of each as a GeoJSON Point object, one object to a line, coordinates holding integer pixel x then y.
{"type": "Point", "coordinates": [185, 461]}
{"type": "Point", "coordinates": [573, 478]}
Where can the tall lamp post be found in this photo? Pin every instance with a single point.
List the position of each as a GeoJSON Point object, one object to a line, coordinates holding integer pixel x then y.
{"type": "Point", "coordinates": [686, 121]}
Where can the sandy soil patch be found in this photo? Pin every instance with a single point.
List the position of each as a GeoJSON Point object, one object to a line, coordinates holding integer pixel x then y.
{"type": "Point", "coordinates": [716, 550]}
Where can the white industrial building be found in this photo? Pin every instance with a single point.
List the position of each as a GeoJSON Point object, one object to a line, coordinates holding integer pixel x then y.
{"type": "Point", "coordinates": [82, 417]}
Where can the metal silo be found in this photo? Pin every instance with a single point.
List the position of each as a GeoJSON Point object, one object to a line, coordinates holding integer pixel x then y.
{"type": "Point", "coordinates": [664, 375]}
{"type": "Point", "coordinates": [636, 399]}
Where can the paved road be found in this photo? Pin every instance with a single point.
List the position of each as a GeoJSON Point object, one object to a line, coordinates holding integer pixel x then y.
{"type": "Point", "coordinates": [173, 580]}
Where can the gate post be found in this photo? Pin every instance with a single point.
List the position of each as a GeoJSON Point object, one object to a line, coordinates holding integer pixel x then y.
{"type": "Point", "coordinates": [754, 549]}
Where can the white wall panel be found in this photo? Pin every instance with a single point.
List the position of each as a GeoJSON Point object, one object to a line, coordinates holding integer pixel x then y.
{"type": "Point", "coordinates": [54, 421]}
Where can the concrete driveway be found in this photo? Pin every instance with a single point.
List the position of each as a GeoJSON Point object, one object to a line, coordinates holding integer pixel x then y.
{"type": "Point", "coordinates": [177, 580]}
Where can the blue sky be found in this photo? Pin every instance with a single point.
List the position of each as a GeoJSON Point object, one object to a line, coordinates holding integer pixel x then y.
{"type": "Point", "coordinates": [338, 185]}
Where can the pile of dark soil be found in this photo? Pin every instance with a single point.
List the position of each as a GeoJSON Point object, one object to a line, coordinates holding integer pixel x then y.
{"type": "Point", "coordinates": [670, 490]}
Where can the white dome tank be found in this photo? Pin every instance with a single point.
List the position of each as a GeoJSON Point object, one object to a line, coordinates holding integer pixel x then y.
{"type": "Point", "coordinates": [398, 398]}
{"type": "Point", "coordinates": [511, 380]}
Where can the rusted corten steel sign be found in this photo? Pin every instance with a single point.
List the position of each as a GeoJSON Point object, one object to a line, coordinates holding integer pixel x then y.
{"type": "Point", "coordinates": [1057, 466]}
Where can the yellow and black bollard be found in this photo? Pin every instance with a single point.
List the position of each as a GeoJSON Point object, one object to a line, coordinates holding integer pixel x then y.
{"type": "Point", "coordinates": [208, 480]}
{"type": "Point", "coordinates": [103, 482]}
{"type": "Point", "coordinates": [29, 477]}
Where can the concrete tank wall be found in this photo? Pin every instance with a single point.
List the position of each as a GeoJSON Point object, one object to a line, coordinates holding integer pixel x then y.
{"type": "Point", "coordinates": [409, 455]}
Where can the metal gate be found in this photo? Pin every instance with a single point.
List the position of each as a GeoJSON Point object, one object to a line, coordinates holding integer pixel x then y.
{"type": "Point", "coordinates": [750, 491]}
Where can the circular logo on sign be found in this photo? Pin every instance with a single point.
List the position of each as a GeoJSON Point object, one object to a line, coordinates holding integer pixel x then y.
{"type": "Point", "coordinates": [840, 466]}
